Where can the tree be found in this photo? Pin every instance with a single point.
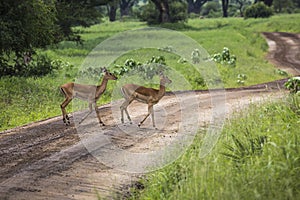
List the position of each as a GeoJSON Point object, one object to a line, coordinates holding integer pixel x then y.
{"type": "Point", "coordinates": [164, 11]}
{"type": "Point", "coordinates": [194, 6]}
{"type": "Point", "coordinates": [125, 6]}
{"type": "Point", "coordinates": [77, 13]}
{"type": "Point", "coordinates": [24, 26]}
{"type": "Point", "coordinates": [241, 5]}
{"type": "Point", "coordinates": [283, 6]}
{"type": "Point", "coordinates": [29, 24]}
{"type": "Point", "coordinates": [112, 7]}
{"type": "Point", "coordinates": [267, 2]}
{"type": "Point", "coordinates": [163, 8]}
{"type": "Point", "coordinates": [296, 3]}
{"type": "Point", "coordinates": [211, 9]}
{"type": "Point", "coordinates": [225, 4]}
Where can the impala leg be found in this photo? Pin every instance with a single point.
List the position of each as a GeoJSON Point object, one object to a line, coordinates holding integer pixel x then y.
{"type": "Point", "coordinates": [90, 111]}
{"type": "Point", "coordinates": [122, 113]}
{"type": "Point", "coordinates": [98, 115]}
{"type": "Point", "coordinates": [150, 110]}
{"type": "Point", "coordinates": [63, 106]}
{"type": "Point", "coordinates": [152, 116]}
{"type": "Point", "coordinates": [123, 108]}
{"type": "Point", "coordinates": [128, 117]}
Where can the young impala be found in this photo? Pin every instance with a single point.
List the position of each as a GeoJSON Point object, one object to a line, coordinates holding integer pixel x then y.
{"type": "Point", "coordinates": [89, 93]}
{"type": "Point", "coordinates": [145, 95]}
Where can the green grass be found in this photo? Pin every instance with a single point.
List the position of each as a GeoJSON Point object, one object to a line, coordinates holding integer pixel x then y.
{"type": "Point", "coordinates": [256, 157]}
{"type": "Point", "coordinates": [25, 100]}
{"type": "Point", "coordinates": [241, 36]}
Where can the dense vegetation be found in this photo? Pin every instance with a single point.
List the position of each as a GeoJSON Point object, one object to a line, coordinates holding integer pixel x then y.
{"type": "Point", "coordinates": [256, 157]}
{"type": "Point", "coordinates": [26, 25]}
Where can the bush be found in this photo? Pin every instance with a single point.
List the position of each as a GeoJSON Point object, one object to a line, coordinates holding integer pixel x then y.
{"type": "Point", "coordinates": [39, 65]}
{"type": "Point", "coordinates": [225, 58]}
{"type": "Point", "coordinates": [209, 8]}
{"type": "Point", "coordinates": [293, 85]}
{"type": "Point", "coordinates": [258, 10]}
{"type": "Point", "coordinates": [147, 70]}
{"type": "Point", "coordinates": [178, 11]}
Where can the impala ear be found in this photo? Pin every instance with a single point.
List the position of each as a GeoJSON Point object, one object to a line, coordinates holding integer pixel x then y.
{"type": "Point", "coordinates": [161, 73]}
{"type": "Point", "coordinates": [103, 69]}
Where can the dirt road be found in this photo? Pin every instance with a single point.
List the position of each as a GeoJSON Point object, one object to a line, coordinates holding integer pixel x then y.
{"type": "Point", "coordinates": [47, 160]}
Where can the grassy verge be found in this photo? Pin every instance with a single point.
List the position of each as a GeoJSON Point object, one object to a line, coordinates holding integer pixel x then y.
{"type": "Point", "coordinates": [26, 100]}
{"type": "Point", "coordinates": [256, 157]}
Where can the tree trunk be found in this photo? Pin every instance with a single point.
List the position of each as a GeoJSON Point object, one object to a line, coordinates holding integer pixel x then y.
{"type": "Point", "coordinates": [268, 2]}
{"type": "Point", "coordinates": [225, 7]}
{"type": "Point", "coordinates": [112, 12]}
{"type": "Point", "coordinates": [125, 6]}
{"type": "Point", "coordinates": [163, 7]}
{"type": "Point", "coordinates": [240, 7]}
{"type": "Point", "coordinates": [195, 7]}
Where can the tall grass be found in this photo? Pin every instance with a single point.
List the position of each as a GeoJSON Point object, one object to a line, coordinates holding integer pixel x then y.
{"type": "Point", "coordinates": [257, 157]}
{"type": "Point", "coordinates": [24, 100]}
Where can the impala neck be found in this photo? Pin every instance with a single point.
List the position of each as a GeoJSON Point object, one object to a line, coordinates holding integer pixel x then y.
{"type": "Point", "coordinates": [162, 89]}
{"type": "Point", "coordinates": [102, 87]}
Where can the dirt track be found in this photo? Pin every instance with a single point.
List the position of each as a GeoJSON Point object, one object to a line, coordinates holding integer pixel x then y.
{"type": "Point", "coordinates": [47, 160]}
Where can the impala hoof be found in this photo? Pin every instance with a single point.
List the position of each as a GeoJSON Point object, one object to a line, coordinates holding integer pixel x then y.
{"type": "Point", "coordinates": [66, 121]}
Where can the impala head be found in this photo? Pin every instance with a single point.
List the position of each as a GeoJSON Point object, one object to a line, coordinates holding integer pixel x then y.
{"type": "Point", "coordinates": [164, 79]}
{"type": "Point", "coordinates": [108, 75]}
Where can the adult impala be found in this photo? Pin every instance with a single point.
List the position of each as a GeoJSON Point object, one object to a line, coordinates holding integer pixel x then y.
{"type": "Point", "coordinates": [145, 95]}
{"type": "Point", "coordinates": [89, 93]}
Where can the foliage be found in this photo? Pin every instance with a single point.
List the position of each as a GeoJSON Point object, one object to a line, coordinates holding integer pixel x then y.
{"type": "Point", "coordinates": [244, 147]}
{"type": "Point", "coordinates": [293, 85]}
{"type": "Point", "coordinates": [241, 78]}
{"type": "Point", "coordinates": [225, 57]}
{"type": "Point", "coordinates": [66, 69]}
{"type": "Point", "coordinates": [281, 72]}
{"type": "Point", "coordinates": [39, 65]}
{"type": "Point", "coordinates": [209, 8]}
{"type": "Point", "coordinates": [147, 70]}
{"type": "Point", "coordinates": [177, 12]}
{"type": "Point", "coordinates": [258, 10]}
{"type": "Point", "coordinates": [25, 25]}
{"type": "Point", "coordinates": [76, 13]}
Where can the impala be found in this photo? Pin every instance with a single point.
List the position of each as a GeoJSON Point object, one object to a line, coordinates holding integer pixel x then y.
{"type": "Point", "coordinates": [145, 95]}
{"type": "Point", "coordinates": [89, 93]}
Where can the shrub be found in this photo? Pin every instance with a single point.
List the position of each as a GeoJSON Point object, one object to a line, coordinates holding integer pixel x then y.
{"type": "Point", "coordinates": [178, 11]}
{"type": "Point", "coordinates": [196, 56]}
{"type": "Point", "coordinates": [258, 10]}
{"type": "Point", "coordinates": [40, 65]}
{"type": "Point", "coordinates": [225, 57]}
{"type": "Point", "coordinates": [210, 9]}
{"type": "Point", "coordinates": [147, 70]}
{"type": "Point", "coordinates": [293, 85]}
